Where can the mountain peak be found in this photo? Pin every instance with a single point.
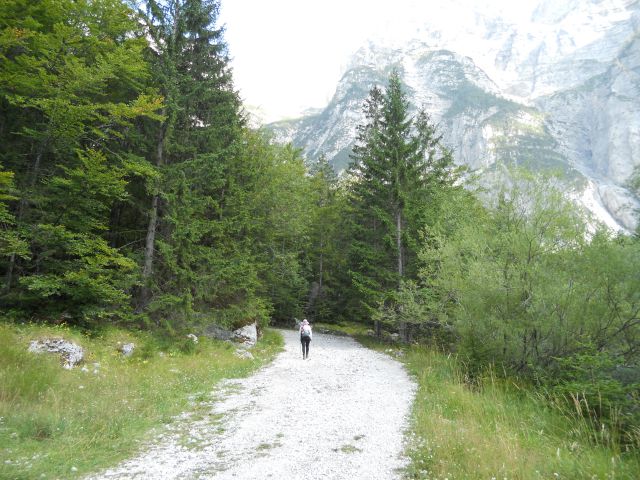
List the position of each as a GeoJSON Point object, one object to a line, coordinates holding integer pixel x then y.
{"type": "Point", "coordinates": [558, 93]}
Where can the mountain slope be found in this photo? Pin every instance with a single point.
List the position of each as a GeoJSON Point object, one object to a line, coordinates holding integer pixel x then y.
{"type": "Point", "coordinates": [559, 92]}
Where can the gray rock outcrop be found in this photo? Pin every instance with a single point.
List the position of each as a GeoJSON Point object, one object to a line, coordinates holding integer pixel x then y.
{"type": "Point", "coordinates": [70, 353]}
{"type": "Point", "coordinates": [244, 354]}
{"type": "Point", "coordinates": [216, 331]}
{"type": "Point", "coordinates": [247, 335]}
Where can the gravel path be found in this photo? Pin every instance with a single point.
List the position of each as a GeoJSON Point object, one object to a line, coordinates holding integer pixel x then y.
{"type": "Point", "coordinates": [338, 415]}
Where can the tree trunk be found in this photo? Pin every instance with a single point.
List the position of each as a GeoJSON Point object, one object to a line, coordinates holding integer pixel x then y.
{"type": "Point", "coordinates": [320, 266]}
{"type": "Point", "coordinates": [149, 244]}
{"type": "Point", "coordinates": [22, 206]}
{"type": "Point", "coordinates": [399, 244]}
{"type": "Point", "coordinates": [402, 327]}
{"type": "Point", "coordinates": [147, 269]}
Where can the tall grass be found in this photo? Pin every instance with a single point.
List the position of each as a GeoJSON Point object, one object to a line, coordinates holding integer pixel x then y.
{"type": "Point", "coordinates": [490, 428]}
{"type": "Point", "coordinates": [57, 423]}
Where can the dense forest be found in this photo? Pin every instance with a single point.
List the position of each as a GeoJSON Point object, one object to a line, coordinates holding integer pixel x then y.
{"type": "Point", "coordinates": [134, 192]}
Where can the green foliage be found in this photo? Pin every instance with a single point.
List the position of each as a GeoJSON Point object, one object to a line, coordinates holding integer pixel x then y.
{"type": "Point", "coordinates": [408, 306]}
{"type": "Point", "coordinates": [12, 242]}
{"type": "Point", "coordinates": [78, 274]}
{"type": "Point", "coordinates": [525, 285]}
{"type": "Point", "coordinates": [272, 213]}
{"type": "Point", "coordinates": [105, 112]}
{"type": "Point", "coordinates": [399, 172]}
{"type": "Point", "coordinates": [71, 86]}
{"type": "Point", "coordinates": [81, 278]}
{"type": "Point", "coordinates": [594, 383]}
{"type": "Point", "coordinates": [329, 240]}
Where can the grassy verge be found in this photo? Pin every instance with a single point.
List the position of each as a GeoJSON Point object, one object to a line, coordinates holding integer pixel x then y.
{"type": "Point", "coordinates": [57, 423]}
{"type": "Point", "coordinates": [353, 329]}
{"type": "Point", "coordinates": [497, 430]}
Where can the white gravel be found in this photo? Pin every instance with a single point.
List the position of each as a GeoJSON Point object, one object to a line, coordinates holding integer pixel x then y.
{"type": "Point", "coordinates": [338, 415]}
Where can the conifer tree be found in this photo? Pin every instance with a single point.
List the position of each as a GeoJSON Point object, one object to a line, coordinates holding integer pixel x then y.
{"type": "Point", "coordinates": [326, 255]}
{"type": "Point", "coordinates": [398, 166]}
{"type": "Point", "coordinates": [193, 143]}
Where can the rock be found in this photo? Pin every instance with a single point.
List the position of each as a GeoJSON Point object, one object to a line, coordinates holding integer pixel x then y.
{"type": "Point", "coordinates": [247, 335]}
{"type": "Point", "coordinates": [215, 331]}
{"type": "Point", "coordinates": [71, 353]}
{"type": "Point", "coordinates": [193, 338]}
{"type": "Point", "coordinates": [127, 349]}
{"type": "Point", "coordinates": [244, 354]}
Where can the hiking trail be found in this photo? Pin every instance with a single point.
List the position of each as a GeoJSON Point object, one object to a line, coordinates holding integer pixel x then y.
{"type": "Point", "coordinates": [338, 415]}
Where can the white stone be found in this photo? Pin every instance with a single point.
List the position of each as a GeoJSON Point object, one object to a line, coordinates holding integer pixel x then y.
{"type": "Point", "coordinates": [127, 349]}
{"type": "Point", "coordinates": [247, 334]}
{"type": "Point", "coordinates": [71, 353]}
{"type": "Point", "coordinates": [192, 337]}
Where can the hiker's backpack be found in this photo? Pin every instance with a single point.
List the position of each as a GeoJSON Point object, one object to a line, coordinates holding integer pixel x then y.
{"type": "Point", "coordinates": [306, 331]}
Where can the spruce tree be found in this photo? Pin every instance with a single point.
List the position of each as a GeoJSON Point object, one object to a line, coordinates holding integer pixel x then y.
{"type": "Point", "coordinates": [398, 166]}
{"type": "Point", "coordinates": [326, 253]}
{"type": "Point", "coordinates": [193, 146]}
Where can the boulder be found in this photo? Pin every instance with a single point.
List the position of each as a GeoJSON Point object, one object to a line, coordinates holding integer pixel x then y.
{"type": "Point", "coordinates": [70, 353]}
{"type": "Point", "coordinates": [215, 331]}
{"type": "Point", "coordinates": [192, 337]}
{"type": "Point", "coordinates": [248, 335]}
{"type": "Point", "coordinates": [127, 349]}
{"type": "Point", "coordinates": [243, 354]}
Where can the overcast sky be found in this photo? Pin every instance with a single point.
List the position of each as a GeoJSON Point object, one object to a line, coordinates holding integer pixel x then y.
{"type": "Point", "coordinates": [288, 55]}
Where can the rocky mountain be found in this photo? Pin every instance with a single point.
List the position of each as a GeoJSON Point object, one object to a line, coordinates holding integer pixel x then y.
{"type": "Point", "coordinates": [558, 88]}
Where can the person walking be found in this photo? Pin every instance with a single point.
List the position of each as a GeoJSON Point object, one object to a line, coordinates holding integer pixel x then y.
{"type": "Point", "coordinates": [305, 337]}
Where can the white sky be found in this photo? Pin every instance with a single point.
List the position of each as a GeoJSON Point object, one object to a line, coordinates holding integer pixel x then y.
{"type": "Point", "coordinates": [288, 55]}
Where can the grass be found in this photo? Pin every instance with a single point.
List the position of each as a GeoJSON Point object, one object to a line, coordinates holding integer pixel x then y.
{"type": "Point", "coordinates": [57, 423]}
{"type": "Point", "coordinates": [353, 329]}
{"type": "Point", "coordinates": [347, 448]}
{"type": "Point", "coordinates": [494, 429]}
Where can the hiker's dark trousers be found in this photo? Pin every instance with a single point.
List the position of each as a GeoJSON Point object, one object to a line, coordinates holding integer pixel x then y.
{"type": "Point", "coordinates": [305, 346]}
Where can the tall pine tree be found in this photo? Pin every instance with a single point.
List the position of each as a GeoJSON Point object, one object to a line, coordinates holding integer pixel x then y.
{"type": "Point", "coordinates": [398, 165]}
{"type": "Point", "coordinates": [193, 147]}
